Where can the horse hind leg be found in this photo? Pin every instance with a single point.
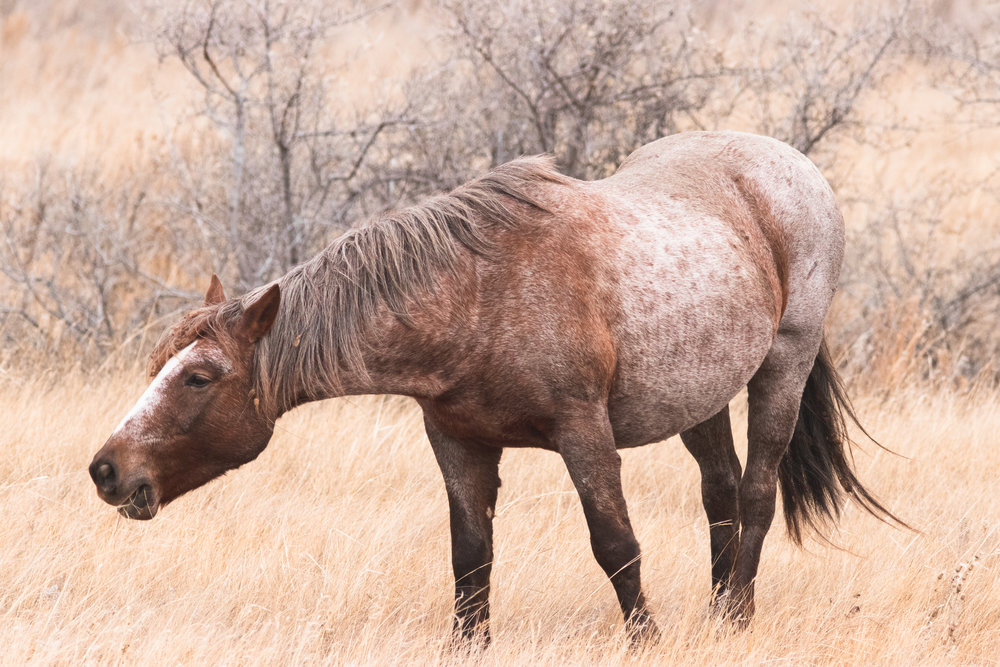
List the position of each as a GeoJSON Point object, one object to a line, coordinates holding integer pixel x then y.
{"type": "Point", "coordinates": [587, 446]}
{"type": "Point", "coordinates": [711, 445]}
{"type": "Point", "coordinates": [774, 397]}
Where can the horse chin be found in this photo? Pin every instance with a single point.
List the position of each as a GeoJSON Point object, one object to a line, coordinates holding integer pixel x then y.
{"type": "Point", "coordinates": [141, 505]}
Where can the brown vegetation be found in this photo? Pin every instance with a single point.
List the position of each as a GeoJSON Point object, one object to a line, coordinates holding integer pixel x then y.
{"type": "Point", "coordinates": [243, 139]}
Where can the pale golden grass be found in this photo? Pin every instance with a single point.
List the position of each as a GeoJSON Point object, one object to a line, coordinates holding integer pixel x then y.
{"type": "Point", "coordinates": [77, 98]}
{"type": "Point", "coordinates": [333, 546]}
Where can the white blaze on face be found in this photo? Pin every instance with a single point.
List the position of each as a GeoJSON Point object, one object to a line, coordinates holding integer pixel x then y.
{"type": "Point", "coordinates": [134, 421]}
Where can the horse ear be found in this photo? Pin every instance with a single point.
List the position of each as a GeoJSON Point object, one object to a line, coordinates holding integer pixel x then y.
{"type": "Point", "coordinates": [215, 294]}
{"type": "Point", "coordinates": [258, 317]}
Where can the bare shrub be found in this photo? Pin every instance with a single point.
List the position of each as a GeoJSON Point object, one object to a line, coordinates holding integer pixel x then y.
{"type": "Point", "coordinates": [280, 164]}
{"type": "Point", "coordinates": [291, 170]}
{"type": "Point", "coordinates": [587, 80]}
{"type": "Point", "coordinates": [804, 78]}
{"type": "Point", "coordinates": [79, 262]}
{"type": "Point", "coordinates": [923, 274]}
{"type": "Point", "coordinates": [920, 292]}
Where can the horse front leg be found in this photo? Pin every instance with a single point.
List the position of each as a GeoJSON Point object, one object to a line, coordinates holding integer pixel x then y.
{"type": "Point", "coordinates": [587, 446]}
{"type": "Point", "coordinates": [711, 445]}
{"type": "Point", "coordinates": [471, 478]}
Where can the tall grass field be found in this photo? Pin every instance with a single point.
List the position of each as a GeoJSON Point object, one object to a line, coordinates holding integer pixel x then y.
{"type": "Point", "coordinates": [333, 547]}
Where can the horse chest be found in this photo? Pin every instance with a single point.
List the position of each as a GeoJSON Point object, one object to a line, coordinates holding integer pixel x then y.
{"type": "Point", "coordinates": [499, 425]}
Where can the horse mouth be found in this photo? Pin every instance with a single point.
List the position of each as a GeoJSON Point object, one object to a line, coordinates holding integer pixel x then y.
{"type": "Point", "coordinates": [141, 505]}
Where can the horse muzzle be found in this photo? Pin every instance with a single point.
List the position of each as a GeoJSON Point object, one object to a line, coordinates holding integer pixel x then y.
{"type": "Point", "coordinates": [135, 500]}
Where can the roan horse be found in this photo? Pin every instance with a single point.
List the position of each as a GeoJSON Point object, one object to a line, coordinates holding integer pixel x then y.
{"type": "Point", "coordinates": [530, 309]}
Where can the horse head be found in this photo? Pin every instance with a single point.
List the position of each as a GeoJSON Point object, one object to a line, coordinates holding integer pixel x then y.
{"type": "Point", "coordinates": [198, 418]}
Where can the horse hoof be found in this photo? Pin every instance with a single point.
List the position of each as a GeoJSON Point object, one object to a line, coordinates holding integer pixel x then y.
{"type": "Point", "coordinates": [472, 639]}
{"type": "Point", "coordinates": [643, 632]}
{"type": "Point", "coordinates": [728, 608]}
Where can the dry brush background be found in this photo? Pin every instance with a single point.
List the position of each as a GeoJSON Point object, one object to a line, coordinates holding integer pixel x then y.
{"type": "Point", "coordinates": [142, 149]}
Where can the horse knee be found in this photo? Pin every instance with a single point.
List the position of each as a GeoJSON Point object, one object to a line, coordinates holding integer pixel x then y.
{"type": "Point", "coordinates": [616, 554]}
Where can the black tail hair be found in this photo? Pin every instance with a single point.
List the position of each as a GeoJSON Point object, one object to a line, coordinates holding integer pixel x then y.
{"type": "Point", "coordinates": [815, 474]}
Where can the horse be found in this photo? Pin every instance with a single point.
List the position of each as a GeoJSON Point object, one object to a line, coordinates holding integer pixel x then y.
{"type": "Point", "coordinates": [526, 308]}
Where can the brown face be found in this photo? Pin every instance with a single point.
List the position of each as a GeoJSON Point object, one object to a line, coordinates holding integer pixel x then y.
{"type": "Point", "coordinates": [195, 421]}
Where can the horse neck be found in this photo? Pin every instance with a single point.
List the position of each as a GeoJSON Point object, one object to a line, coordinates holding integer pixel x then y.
{"type": "Point", "coordinates": [414, 357]}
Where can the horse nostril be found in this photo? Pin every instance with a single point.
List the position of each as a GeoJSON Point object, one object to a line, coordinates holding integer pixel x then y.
{"type": "Point", "coordinates": [104, 475]}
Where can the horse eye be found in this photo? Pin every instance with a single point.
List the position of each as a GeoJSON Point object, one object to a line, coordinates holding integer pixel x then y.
{"type": "Point", "coordinates": [197, 381]}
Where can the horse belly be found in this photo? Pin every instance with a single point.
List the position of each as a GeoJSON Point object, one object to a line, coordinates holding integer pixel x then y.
{"type": "Point", "coordinates": [696, 321]}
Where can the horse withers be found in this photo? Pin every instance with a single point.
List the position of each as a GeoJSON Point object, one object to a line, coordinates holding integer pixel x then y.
{"type": "Point", "coordinates": [529, 309]}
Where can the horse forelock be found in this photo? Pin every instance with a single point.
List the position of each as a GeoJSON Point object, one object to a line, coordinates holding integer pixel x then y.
{"type": "Point", "coordinates": [208, 322]}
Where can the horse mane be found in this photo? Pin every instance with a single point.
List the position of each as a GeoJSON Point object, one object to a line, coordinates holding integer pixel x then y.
{"type": "Point", "coordinates": [327, 301]}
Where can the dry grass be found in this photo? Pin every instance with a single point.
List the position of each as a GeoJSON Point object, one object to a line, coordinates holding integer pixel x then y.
{"type": "Point", "coordinates": [333, 546]}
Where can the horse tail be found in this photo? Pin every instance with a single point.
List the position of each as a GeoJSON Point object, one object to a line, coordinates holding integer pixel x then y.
{"type": "Point", "coordinates": [816, 472]}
